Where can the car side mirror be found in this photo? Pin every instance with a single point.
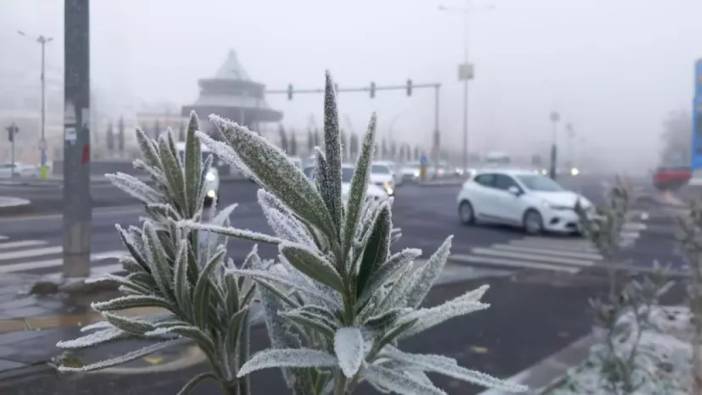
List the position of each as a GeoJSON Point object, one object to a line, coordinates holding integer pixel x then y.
{"type": "Point", "coordinates": [514, 190]}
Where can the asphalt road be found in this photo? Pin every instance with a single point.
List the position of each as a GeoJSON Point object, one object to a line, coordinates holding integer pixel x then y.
{"type": "Point", "coordinates": [539, 286]}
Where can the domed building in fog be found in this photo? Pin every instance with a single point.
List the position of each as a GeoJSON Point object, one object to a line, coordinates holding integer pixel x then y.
{"type": "Point", "coordinates": [232, 94]}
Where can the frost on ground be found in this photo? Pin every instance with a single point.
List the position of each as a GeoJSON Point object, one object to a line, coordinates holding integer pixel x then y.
{"type": "Point", "coordinates": [664, 358]}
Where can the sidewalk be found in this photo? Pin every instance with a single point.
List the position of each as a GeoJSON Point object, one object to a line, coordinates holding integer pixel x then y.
{"type": "Point", "coordinates": [13, 204]}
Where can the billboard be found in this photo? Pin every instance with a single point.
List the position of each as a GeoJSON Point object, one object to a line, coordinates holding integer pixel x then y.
{"type": "Point", "coordinates": [697, 118]}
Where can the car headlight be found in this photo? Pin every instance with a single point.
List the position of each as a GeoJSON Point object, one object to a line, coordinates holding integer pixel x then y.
{"type": "Point", "coordinates": [574, 171]}
{"type": "Point", "coordinates": [211, 194]}
{"type": "Point", "coordinates": [388, 187]}
{"type": "Point", "coordinates": [210, 176]}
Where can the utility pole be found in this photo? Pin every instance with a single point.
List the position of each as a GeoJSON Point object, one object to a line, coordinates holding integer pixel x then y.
{"type": "Point", "coordinates": [43, 40]}
{"type": "Point", "coordinates": [555, 117]}
{"type": "Point", "coordinates": [12, 131]}
{"type": "Point", "coordinates": [465, 69]}
{"type": "Point", "coordinates": [77, 204]}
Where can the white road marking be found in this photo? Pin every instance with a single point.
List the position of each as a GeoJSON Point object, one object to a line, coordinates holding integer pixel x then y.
{"type": "Point", "coordinates": [530, 257]}
{"type": "Point", "coordinates": [512, 263]}
{"type": "Point", "coordinates": [3, 237]}
{"type": "Point", "coordinates": [554, 245]}
{"type": "Point", "coordinates": [567, 254]}
{"type": "Point", "coordinates": [18, 267]}
{"type": "Point", "coordinates": [635, 226]}
{"type": "Point", "coordinates": [5, 256]}
{"type": "Point", "coordinates": [21, 243]}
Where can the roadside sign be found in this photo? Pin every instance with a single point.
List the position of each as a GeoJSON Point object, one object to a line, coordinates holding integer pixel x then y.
{"type": "Point", "coordinates": [465, 71]}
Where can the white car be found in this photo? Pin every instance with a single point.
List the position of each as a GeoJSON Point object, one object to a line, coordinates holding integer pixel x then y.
{"type": "Point", "coordinates": [382, 175]}
{"type": "Point", "coordinates": [19, 170]}
{"type": "Point", "coordinates": [211, 178]}
{"type": "Point", "coordinates": [372, 192]}
{"type": "Point", "coordinates": [410, 171]}
{"type": "Point", "coordinates": [521, 198]}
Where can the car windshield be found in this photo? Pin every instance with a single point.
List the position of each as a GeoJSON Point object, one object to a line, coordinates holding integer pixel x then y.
{"type": "Point", "coordinates": [539, 183]}
{"type": "Point", "coordinates": [380, 169]}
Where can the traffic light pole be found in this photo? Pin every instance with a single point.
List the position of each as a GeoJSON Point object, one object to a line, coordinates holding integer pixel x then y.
{"type": "Point", "coordinates": [371, 89]}
{"type": "Point", "coordinates": [77, 207]}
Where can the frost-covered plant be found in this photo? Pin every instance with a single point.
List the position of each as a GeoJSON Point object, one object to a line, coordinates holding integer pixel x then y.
{"type": "Point", "coordinates": [625, 313]}
{"type": "Point", "coordinates": [624, 365]}
{"type": "Point", "coordinates": [604, 226]}
{"type": "Point", "coordinates": [177, 271]}
{"type": "Point", "coordinates": [691, 238]}
{"type": "Point", "coordinates": [339, 300]}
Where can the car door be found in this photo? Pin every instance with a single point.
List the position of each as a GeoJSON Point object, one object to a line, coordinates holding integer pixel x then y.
{"type": "Point", "coordinates": [511, 206]}
{"type": "Point", "coordinates": [484, 194]}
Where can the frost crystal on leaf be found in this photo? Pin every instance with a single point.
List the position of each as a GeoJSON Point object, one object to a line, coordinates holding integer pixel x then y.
{"type": "Point", "coordinates": [289, 358]}
{"type": "Point", "coordinates": [348, 346]}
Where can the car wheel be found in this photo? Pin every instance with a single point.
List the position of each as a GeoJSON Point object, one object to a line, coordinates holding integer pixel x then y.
{"type": "Point", "coordinates": [533, 223]}
{"type": "Point", "coordinates": [466, 213]}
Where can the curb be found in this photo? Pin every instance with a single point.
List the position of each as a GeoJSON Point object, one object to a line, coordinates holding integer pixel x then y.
{"type": "Point", "coordinates": [548, 373]}
{"type": "Point", "coordinates": [11, 205]}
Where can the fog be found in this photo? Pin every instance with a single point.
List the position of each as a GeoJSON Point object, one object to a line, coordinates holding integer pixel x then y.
{"type": "Point", "coordinates": [613, 69]}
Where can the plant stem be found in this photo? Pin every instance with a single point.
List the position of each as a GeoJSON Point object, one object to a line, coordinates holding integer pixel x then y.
{"type": "Point", "coordinates": [339, 383]}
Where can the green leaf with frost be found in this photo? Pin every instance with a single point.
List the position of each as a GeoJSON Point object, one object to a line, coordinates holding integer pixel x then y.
{"type": "Point", "coordinates": [130, 356]}
{"type": "Point", "coordinates": [331, 191]}
{"type": "Point", "coordinates": [276, 173]}
{"type": "Point", "coordinates": [377, 248]}
{"type": "Point", "coordinates": [313, 265]}
{"type": "Point", "coordinates": [386, 273]}
{"type": "Point", "coordinates": [349, 350]}
{"type": "Point", "coordinates": [449, 367]}
{"type": "Point", "coordinates": [398, 382]}
{"type": "Point", "coordinates": [359, 184]}
{"type": "Point", "coordinates": [132, 301]}
{"type": "Point", "coordinates": [135, 188]}
{"type": "Point", "coordinates": [425, 276]}
{"type": "Point", "coordinates": [429, 317]}
{"type": "Point", "coordinates": [288, 358]}
{"type": "Point", "coordinates": [193, 162]}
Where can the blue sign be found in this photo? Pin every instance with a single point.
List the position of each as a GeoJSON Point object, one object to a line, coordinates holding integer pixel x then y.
{"type": "Point", "coordinates": [697, 118]}
{"type": "Point", "coordinates": [423, 160]}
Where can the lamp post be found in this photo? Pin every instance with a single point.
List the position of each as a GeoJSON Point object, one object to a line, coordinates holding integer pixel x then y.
{"type": "Point", "coordinates": [43, 40]}
{"type": "Point", "coordinates": [465, 69]}
{"type": "Point", "coordinates": [555, 117]}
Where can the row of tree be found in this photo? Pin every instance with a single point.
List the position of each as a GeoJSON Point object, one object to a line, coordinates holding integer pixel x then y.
{"type": "Point", "coordinates": [386, 149]}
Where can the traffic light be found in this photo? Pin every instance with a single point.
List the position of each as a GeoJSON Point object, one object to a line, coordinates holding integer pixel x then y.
{"type": "Point", "coordinates": [409, 87]}
{"type": "Point", "coordinates": [372, 90]}
{"type": "Point", "coordinates": [12, 130]}
{"type": "Point", "coordinates": [290, 91]}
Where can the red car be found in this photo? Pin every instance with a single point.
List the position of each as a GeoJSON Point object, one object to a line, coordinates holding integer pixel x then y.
{"type": "Point", "coordinates": [671, 177]}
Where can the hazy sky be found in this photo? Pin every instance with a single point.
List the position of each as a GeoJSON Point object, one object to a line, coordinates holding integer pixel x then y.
{"type": "Point", "coordinates": [613, 68]}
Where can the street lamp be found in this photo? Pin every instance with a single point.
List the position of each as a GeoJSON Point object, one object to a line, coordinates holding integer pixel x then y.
{"type": "Point", "coordinates": [465, 69]}
{"type": "Point", "coordinates": [555, 117]}
{"type": "Point", "coordinates": [43, 40]}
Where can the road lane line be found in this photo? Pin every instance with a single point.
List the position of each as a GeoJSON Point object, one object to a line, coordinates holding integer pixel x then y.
{"type": "Point", "coordinates": [635, 226]}
{"type": "Point", "coordinates": [6, 256]}
{"type": "Point", "coordinates": [531, 257]}
{"type": "Point", "coordinates": [18, 267]}
{"type": "Point", "coordinates": [3, 237]}
{"type": "Point", "coordinates": [510, 263]}
{"type": "Point", "coordinates": [21, 243]}
{"type": "Point", "coordinates": [554, 246]}
{"type": "Point", "coordinates": [567, 254]}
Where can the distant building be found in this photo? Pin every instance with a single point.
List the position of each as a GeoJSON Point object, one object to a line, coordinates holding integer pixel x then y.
{"type": "Point", "coordinates": [233, 95]}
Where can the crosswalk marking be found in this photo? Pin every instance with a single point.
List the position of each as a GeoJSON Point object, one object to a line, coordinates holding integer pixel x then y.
{"type": "Point", "coordinates": [21, 243]}
{"type": "Point", "coordinates": [5, 256]}
{"type": "Point", "coordinates": [512, 263]}
{"type": "Point", "coordinates": [531, 257]}
{"type": "Point", "coordinates": [3, 237]}
{"type": "Point", "coordinates": [18, 267]}
{"type": "Point", "coordinates": [551, 245]}
{"type": "Point", "coordinates": [570, 254]}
